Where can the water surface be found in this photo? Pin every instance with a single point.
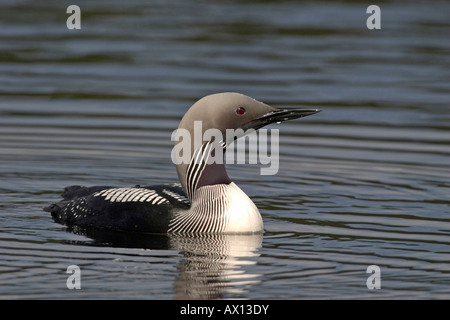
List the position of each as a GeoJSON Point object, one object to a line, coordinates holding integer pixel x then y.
{"type": "Point", "coordinates": [364, 182]}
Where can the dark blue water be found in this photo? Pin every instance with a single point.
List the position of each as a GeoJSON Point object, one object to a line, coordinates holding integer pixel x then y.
{"type": "Point", "coordinates": [364, 182]}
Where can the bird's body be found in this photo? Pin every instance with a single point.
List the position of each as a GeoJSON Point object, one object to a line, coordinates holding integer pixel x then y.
{"type": "Point", "coordinates": [206, 201]}
{"type": "Point", "coordinates": [142, 209]}
{"type": "Point", "coordinates": [160, 209]}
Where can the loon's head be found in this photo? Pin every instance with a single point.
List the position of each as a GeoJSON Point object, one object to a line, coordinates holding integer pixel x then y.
{"type": "Point", "coordinates": [210, 119]}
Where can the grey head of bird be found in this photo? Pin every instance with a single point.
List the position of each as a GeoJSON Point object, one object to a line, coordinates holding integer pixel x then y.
{"type": "Point", "coordinates": [212, 123]}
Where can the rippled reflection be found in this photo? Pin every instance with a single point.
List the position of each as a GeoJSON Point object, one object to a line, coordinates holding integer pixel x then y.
{"type": "Point", "coordinates": [212, 264]}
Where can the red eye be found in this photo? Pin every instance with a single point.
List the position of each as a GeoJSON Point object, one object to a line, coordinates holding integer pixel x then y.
{"type": "Point", "coordinates": [240, 111]}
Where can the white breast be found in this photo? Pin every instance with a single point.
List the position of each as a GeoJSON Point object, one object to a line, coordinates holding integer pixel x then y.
{"type": "Point", "coordinates": [242, 214]}
{"type": "Point", "coordinates": [220, 208]}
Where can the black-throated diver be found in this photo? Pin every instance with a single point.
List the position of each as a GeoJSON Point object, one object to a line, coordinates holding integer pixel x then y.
{"type": "Point", "coordinates": [206, 201]}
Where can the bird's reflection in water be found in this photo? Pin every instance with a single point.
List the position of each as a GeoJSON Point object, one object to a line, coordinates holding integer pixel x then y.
{"type": "Point", "coordinates": [212, 266]}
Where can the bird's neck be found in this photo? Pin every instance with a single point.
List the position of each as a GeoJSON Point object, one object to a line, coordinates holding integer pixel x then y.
{"type": "Point", "coordinates": [217, 204]}
{"type": "Point", "coordinates": [203, 170]}
{"type": "Point", "coordinates": [212, 174]}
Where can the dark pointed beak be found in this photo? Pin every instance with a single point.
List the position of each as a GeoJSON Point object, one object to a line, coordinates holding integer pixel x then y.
{"type": "Point", "coordinates": [279, 115]}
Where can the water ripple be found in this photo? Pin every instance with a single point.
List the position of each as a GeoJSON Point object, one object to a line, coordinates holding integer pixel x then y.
{"type": "Point", "coordinates": [366, 181]}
